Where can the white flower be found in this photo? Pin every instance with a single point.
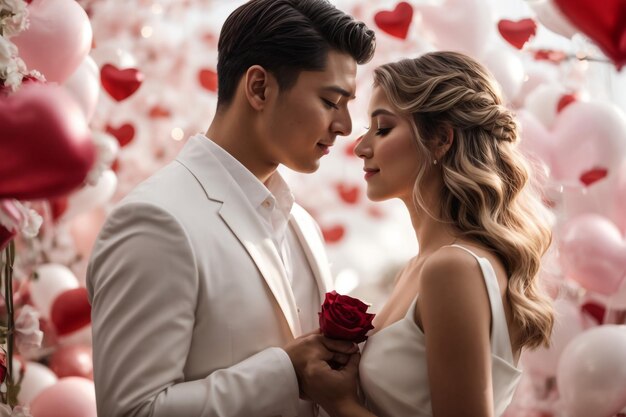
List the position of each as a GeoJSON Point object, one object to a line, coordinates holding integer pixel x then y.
{"type": "Point", "coordinates": [31, 222]}
{"type": "Point", "coordinates": [13, 17]}
{"type": "Point", "coordinates": [8, 52]}
{"type": "Point", "coordinates": [107, 148]}
{"type": "Point", "coordinates": [28, 335]}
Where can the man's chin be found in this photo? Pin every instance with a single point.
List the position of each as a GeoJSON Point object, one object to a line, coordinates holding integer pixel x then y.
{"type": "Point", "coordinates": [305, 168]}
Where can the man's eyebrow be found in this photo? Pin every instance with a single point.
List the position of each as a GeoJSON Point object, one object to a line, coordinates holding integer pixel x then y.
{"type": "Point", "coordinates": [381, 111]}
{"type": "Point", "coordinates": [337, 89]}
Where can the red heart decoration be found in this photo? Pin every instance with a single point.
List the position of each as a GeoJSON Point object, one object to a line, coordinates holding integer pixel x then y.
{"type": "Point", "coordinates": [158, 111]}
{"type": "Point", "coordinates": [593, 175]}
{"type": "Point", "coordinates": [333, 234]}
{"type": "Point", "coordinates": [349, 149]}
{"type": "Point", "coordinates": [208, 79]}
{"type": "Point", "coordinates": [397, 22]}
{"type": "Point", "coordinates": [517, 33]}
{"type": "Point", "coordinates": [45, 145]}
{"type": "Point", "coordinates": [554, 56]}
{"type": "Point", "coordinates": [603, 21]}
{"type": "Point", "coordinates": [70, 311]}
{"type": "Point", "coordinates": [565, 101]}
{"type": "Point", "coordinates": [595, 310]}
{"type": "Point", "coordinates": [120, 84]}
{"type": "Point", "coordinates": [348, 194]}
{"type": "Point", "coordinates": [124, 134]}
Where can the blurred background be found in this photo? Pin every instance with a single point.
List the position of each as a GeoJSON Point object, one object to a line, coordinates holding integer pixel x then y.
{"type": "Point", "coordinates": [96, 95]}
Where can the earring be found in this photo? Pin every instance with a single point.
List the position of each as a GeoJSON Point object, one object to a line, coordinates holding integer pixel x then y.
{"type": "Point", "coordinates": [435, 162]}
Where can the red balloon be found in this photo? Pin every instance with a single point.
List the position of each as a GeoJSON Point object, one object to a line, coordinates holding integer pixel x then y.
{"type": "Point", "coordinates": [73, 360]}
{"type": "Point", "coordinates": [71, 311]}
{"type": "Point", "coordinates": [45, 144]}
{"type": "Point", "coordinates": [397, 22]}
{"type": "Point", "coordinates": [120, 84]}
{"type": "Point", "coordinates": [208, 79]}
{"type": "Point", "coordinates": [603, 21]}
{"type": "Point", "coordinates": [517, 33]}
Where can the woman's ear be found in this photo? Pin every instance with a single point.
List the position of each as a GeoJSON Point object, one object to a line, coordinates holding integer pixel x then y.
{"type": "Point", "coordinates": [256, 81]}
{"type": "Point", "coordinates": [444, 140]}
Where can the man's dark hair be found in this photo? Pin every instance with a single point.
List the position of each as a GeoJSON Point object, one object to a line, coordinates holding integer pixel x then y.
{"type": "Point", "coordinates": [286, 37]}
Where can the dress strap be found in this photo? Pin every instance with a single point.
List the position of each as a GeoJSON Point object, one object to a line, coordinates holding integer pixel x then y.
{"type": "Point", "coordinates": [500, 340]}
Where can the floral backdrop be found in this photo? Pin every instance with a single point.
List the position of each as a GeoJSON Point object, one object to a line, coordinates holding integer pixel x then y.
{"type": "Point", "coordinates": [95, 95]}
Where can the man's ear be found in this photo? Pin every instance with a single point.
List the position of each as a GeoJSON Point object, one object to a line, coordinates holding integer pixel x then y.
{"type": "Point", "coordinates": [444, 140]}
{"type": "Point", "coordinates": [256, 84]}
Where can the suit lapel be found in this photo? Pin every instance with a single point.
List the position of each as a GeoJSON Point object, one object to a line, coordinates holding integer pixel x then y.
{"type": "Point", "coordinates": [313, 247]}
{"type": "Point", "coordinates": [241, 218]}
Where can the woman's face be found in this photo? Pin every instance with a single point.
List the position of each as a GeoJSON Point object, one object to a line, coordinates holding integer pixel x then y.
{"type": "Point", "coordinates": [389, 152]}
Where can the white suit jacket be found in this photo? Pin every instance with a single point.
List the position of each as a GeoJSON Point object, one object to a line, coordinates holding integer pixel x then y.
{"type": "Point", "coordinates": [190, 300]}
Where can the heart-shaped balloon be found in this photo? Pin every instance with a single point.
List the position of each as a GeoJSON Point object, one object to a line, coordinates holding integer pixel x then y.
{"type": "Point", "coordinates": [71, 311]}
{"type": "Point", "coordinates": [517, 33]}
{"type": "Point", "coordinates": [57, 39]}
{"type": "Point", "coordinates": [208, 79]}
{"type": "Point", "coordinates": [603, 21]}
{"type": "Point", "coordinates": [120, 83]}
{"type": "Point", "coordinates": [124, 133]}
{"type": "Point", "coordinates": [349, 194]}
{"type": "Point", "coordinates": [593, 253]}
{"type": "Point", "coordinates": [585, 136]}
{"type": "Point", "coordinates": [333, 234]}
{"type": "Point", "coordinates": [397, 22]}
{"type": "Point", "coordinates": [45, 145]}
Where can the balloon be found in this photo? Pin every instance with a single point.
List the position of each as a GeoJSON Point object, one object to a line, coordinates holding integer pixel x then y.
{"type": "Point", "coordinates": [602, 21]}
{"type": "Point", "coordinates": [517, 32]}
{"type": "Point", "coordinates": [551, 17]}
{"type": "Point", "coordinates": [71, 311]}
{"type": "Point", "coordinates": [36, 379]}
{"type": "Point", "coordinates": [619, 205]}
{"type": "Point", "coordinates": [84, 230]}
{"type": "Point", "coordinates": [396, 22]}
{"type": "Point", "coordinates": [568, 324]}
{"type": "Point", "coordinates": [57, 40]}
{"type": "Point", "coordinates": [585, 136]}
{"type": "Point", "coordinates": [70, 397]}
{"type": "Point", "coordinates": [543, 102]}
{"type": "Point", "coordinates": [593, 253]}
{"type": "Point", "coordinates": [91, 196]}
{"type": "Point", "coordinates": [457, 25]}
{"type": "Point", "coordinates": [52, 280]}
{"type": "Point", "coordinates": [120, 83]}
{"type": "Point", "coordinates": [507, 68]}
{"type": "Point", "coordinates": [72, 361]}
{"type": "Point", "coordinates": [45, 144]}
{"type": "Point", "coordinates": [84, 85]}
{"type": "Point", "coordinates": [591, 374]}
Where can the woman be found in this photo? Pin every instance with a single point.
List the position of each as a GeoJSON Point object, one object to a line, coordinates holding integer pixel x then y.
{"type": "Point", "coordinates": [448, 340]}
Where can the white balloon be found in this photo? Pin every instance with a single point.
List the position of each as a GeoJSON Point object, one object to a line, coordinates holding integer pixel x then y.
{"type": "Point", "coordinates": [84, 86]}
{"type": "Point", "coordinates": [92, 196]}
{"type": "Point", "coordinates": [507, 68]}
{"type": "Point", "coordinates": [591, 375]}
{"type": "Point", "coordinates": [543, 101]}
{"type": "Point", "coordinates": [37, 377]}
{"type": "Point", "coordinates": [52, 280]}
{"type": "Point", "coordinates": [551, 17]}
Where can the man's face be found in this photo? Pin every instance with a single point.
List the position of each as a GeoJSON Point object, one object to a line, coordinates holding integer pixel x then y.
{"type": "Point", "coordinates": [301, 124]}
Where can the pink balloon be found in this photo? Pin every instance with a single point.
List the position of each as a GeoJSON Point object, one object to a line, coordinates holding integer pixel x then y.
{"type": "Point", "coordinates": [58, 39]}
{"type": "Point", "coordinates": [586, 135]}
{"type": "Point", "coordinates": [84, 85]}
{"type": "Point", "coordinates": [591, 374]}
{"type": "Point", "coordinates": [593, 253]}
{"type": "Point", "coordinates": [72, 361]}
{"type": "Point", "coordinates": [457, 25]}
{"type": "Point", "coordinates": [619, 205]}
{"type": "Point", "coordinates": [70, 397]}
{"type": "Point", "coordinates": [568, 324]}
{"type": "Point", "coordinates": [85, 228]}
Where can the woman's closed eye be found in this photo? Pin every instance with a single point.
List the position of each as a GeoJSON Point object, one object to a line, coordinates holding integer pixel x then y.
{"type": "Point", "coordinates": [383, 131]}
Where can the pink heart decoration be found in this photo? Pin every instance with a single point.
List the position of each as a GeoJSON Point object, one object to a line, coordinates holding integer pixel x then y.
{"type": "Point", "coordinates": [57, 40]}
{"type": "Point", "coordinates": [71, 311]}
{"type": "Point", "coordinates": [120, 84]}
{"type": "Point", "coordinates": [397, 22]}
{"type": "Point", "coordinates": [45, 144]}
{"type": "Point", "coordinates": [585, 136]}
{"type": "Point", "coordinates": [124, 134]}
{"type": "Point", "coordinates": [603, 21]}
{"type": "Point", "coordinates": [517, 33]}
{"type": "Point", "coordinates": [593, 253]}
{"type": "Point", "coordinates": [208, 79]}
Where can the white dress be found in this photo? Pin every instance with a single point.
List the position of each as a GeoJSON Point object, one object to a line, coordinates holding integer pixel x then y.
{"type": "Point", "coordinates": [393, 370]}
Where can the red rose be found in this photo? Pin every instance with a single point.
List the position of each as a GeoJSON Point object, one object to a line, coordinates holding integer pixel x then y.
{"type": "Point", "coordinates": [343, 317]}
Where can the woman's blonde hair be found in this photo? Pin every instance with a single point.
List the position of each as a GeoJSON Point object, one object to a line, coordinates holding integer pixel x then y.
{"type": "Point", "coordinates": [487, 194]}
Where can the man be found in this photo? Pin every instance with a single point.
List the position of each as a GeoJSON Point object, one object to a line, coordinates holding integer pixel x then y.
{"type": "Point", "coordinates": [206, 278]}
